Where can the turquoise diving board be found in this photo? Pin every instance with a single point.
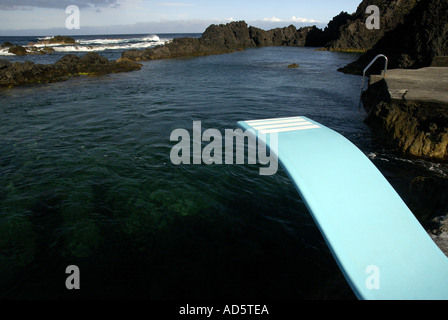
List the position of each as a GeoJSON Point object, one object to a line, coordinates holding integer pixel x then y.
{"type": "Point", "coordinates": [379, 245]}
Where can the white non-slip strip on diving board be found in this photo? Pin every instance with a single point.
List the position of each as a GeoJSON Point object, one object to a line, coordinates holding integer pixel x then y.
{"type": "Point", "coordinates": [282, 125]}
{"type": "Point", "coordinates": [312, 126]}
{"type": "Point", "coordinates": [274, 121]}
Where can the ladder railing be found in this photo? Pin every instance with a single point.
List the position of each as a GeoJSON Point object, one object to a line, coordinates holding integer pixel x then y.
{"type": "Point", "coordinates": [368, 67]}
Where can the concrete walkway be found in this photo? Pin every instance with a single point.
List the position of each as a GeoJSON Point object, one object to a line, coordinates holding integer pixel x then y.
{"type": "Point", "coordinates": [426, 85]}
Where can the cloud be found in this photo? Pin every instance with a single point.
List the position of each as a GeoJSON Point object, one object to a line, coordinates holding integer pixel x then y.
{"type": "Point", "coordinates": [292, 19]}
{"type": "Point", "coordinates": [273, 19]}
{"type": "Point", "coordinates": [55, 4]}
{"type": "Point", "coordinates": [295, 19]}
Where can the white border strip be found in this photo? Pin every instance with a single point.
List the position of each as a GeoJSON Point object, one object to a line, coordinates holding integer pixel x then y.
{"type": "Point", "coordinates": [274, 120]}
{"type": "Point", "coordinates": [286, 125]}
{"type": "Point", "coordinates": [314, 126]}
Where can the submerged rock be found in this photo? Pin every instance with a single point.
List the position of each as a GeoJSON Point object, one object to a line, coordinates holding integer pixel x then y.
{"type": "Point", "coordinates": [14, 74]}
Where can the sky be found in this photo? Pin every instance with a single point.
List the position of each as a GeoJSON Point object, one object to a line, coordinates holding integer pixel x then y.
{"type": "Point", "coordinates": [48, 17]}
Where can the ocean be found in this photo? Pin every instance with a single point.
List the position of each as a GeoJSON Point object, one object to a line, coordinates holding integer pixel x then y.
{"type": "Point", "coordinates": [86, 178]}
{"type": "Point", "coordinates": [109, 46]}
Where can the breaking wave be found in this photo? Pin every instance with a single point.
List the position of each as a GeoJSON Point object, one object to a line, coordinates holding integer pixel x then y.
{"type": "Point", "coordinates": [100, 44]}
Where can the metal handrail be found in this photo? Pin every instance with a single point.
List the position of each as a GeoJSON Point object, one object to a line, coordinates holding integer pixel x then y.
{"type": "Point", "coordinates": [368, 67]}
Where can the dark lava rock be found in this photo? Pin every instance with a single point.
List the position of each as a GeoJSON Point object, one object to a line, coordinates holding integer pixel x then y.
{"type": "Point", "coordinates": [332, 31]}
{"type": "Point", "coordinates": [229, 36]}
{"type": "Point", "coordinates": [226, 38]}
{"type": "Point", "coordinates": [14, 74]}
{"type": "Point", "coordinates": [5, 63]}
{"type": "Point", "coordinates": [58, 40]}
{"type": "Point", "coordinates": [37, 50]}
{"type": "Point", "coordinates": [6, 44]}
{"type": "Point", "coordinates": [440, 61]}
{"type": "Point", "coordinates": [21, 51]}
{"type": "Point", "coordinates": [349, 32]}
{"type": "Point", "coordinates": [412, 128]}
{"type": "Point", "coordinates": [17, 50]}
{"type": "Point", "coordinates": [415, 42]}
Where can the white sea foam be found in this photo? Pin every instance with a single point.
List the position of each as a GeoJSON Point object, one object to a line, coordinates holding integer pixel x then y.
{"type": "Point", "coordinates": [100, 44]}
{"type": "Point", "coordinates": [45, 38]}
{"type": "Point", "coordinates": [4, 52]}
{"type": "Point", "coordinates": [78, 48]}
{"type": "Point", "coordinates": [103, 44]}
{"type": "Point", "coordinates": [440, 169]}
{"type": "Point", "coordinates": [150, 39]}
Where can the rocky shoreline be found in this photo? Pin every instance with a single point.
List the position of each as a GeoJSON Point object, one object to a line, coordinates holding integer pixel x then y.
{"type": "Point", "coordinates": [217, 39]}
{"type": "Point", "coordinates": [408, 111]}
{"type": "Point", "coordinates": [227, 38]}
{"type": "Point", "coordinates": [91, 64]}
{"type": "Point", "coordinates": [28, 73]}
